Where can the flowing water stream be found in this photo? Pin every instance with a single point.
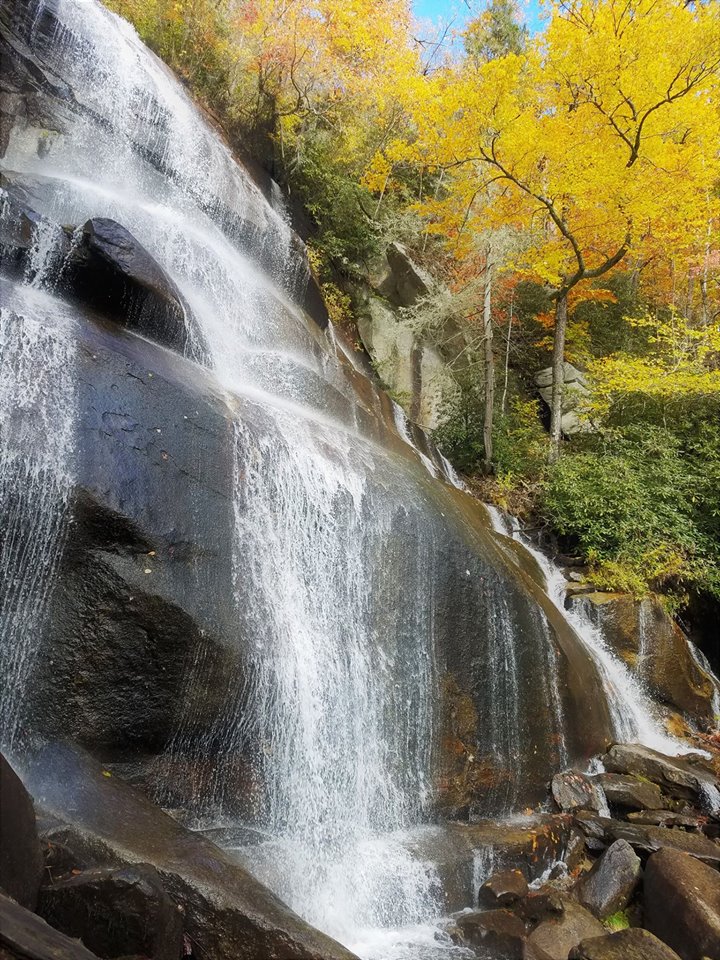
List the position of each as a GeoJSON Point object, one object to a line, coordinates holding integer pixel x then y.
{"type": "Point", "coordinates": [344, 572]}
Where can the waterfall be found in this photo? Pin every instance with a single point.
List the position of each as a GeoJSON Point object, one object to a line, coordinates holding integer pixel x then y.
{"type": "Point", "coordinates": [633, 714]}
{"type": "Point", "coordinates": [362, 576]}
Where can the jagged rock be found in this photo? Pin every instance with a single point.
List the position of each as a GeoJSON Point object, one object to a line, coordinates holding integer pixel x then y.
{"type": "Point", "coordinates": [612, 880]}
{"type": "Point", "coordinates": [687, 777]}
{"type": "Point", "coordinates": [574, 791]}
{"type": "Point", "coordinates": [538, 906]}
{"type": "Point", "coordinates": [116, 912]}
{"type": "Point", "coordinates": [502, 889]}
{"type": "Point", "coordinates": [647, 638]}
{"type": "Point", "coordinates": [681, 901]}
{"type": "Point", "coordinates": [627, 791]}
{"type": "Point", "coordinates": [602, 831]}
{"type": "Point", "coordinates": [553, 939]}
{"type": "Point", "coordinates": [228, 914]}
{"type": "Point", "coordinates": [494, 930]}
{"type": "Point", "coordinates": [111, 272]}
{"type": "Point", "coordinates": [25, 936]}
{"type": "Point", "coordinates": [631, 944]}
{"type": "Point", "coordinates": [21, 861]}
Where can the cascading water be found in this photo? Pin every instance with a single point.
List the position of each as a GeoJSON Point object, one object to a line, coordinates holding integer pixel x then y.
{"type": "Point", "coordinates": [633, 715]}
{"type": "Point", "coordinates": [36, 442]}
{"type": "Point", "coordinates": [363, 587]}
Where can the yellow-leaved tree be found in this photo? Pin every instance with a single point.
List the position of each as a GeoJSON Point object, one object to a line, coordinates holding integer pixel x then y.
{"type": "Point", "coordinates": [585, 140]}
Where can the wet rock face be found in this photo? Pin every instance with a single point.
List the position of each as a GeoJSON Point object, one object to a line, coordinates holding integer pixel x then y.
{"type": "Point", "coordinates": [109, 271]}
{"type": "Point", "coordinates": [611, 882]}
{"type": "Point", "coordinates": [21, 861]}
{"type": "Point", "coordinates": [654, 646]}
{"type": "Point", "coordinates": [116, 913]}
{"type": "Point", "coordinates": [682, 904]}
{"type": "Point", "coordinates": [498, 931]}
{"type": "Point", "coordinates": [227, 913]}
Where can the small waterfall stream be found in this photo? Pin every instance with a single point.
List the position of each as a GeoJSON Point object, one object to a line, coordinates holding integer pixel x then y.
{"type": "Point", "coordinates": [357, 563]}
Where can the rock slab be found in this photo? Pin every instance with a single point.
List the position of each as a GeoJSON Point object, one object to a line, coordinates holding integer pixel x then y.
{"type": "Point", "coordinates": [25, 936]}
{"type": "Point", "coordinates": [554, 939]}
{"type": "Point", "coordinates": [681, 901]}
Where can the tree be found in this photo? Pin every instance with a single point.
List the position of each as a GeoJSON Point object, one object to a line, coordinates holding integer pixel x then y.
{"type": "Point", "coordinates": [495, 33]}
{"type": "Point", "coordinates": [584, 138]}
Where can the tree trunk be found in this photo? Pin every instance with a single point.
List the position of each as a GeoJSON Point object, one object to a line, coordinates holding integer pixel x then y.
{"type": "Point", "coordinates": [558, 372]}
{"type": "Point", "coordinates": [489, 368]}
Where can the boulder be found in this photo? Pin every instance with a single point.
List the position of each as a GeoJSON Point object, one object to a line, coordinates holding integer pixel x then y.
{"type": "Point", "coordinates": [631, 944]}
{"type": "Point", "coordinates": [502, 889]}
{"type": "Point", "coordinates": [553, 939]}
{"type": "Point", "coordinates": [649, 640]}
{"type": "Point", "coordinates": [21, 862]}
{"type": "Point", "coordinates": [497, 931]}
{"type": "Point", "coordinates": [685, 777]}
{"type": "Point", "coordinates": [574, 791]}
{"type": "Point", "coordinates": [627, 791]}
{"type": "Point", "coordinates": [121, 912]}
{"type": "Point", "coordinates": [602, 831]}
{"type": "Point", "coordinates": [110, 271]}
{"type": "Point", "coordinates": [612, 880]}
{"type": "Point", "coordinates": [25, 936]}
{"type": "Point", "coordinates": [681, 902]}
{"type": "Point", "coordinates": [229, 915]}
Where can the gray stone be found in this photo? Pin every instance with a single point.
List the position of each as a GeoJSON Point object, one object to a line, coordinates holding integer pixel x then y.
{"type": "Point", "coordinates": [666, 818]}
{"type": "Point", "coordinates": [408, 282]}
{"type": "Point", "coordinates": [612, 880]}
{"type": "Point", "coordinates": [554, 939]}
{"type": "Point", "coordinates": [681, 901]}
{"type": "Point", "coordinates": [574, 791]}
{"type": "Point", "coordinates": [627, 791]}
{"type": "Point", "coordinates": [602, 831]}
{"type": "Point", "coordinates": [21, 861]}
{"type": "Point", "coordinates": [630, 944]}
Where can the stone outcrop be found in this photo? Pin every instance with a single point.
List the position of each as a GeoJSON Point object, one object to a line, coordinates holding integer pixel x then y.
{"type": "Point", "coordinates": [687, 777]}
{"type": "Point", "coordinates": [503, 888]}
{"type": "Point", "coordinates": [575, 392]}
{"type": "Point", "coordinates": [646, 637]}
{"type": "Point", "coordinates": [227, 913]}
{"type": "Point", "coordinates": [109, 271]}
{"type": "Point", "coordinates": [21, 863]}
{"type": "Point", "coordinates": [681, 903]}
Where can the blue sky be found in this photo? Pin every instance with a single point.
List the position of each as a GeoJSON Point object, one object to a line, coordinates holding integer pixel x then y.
{"type": "Point", "coordinates": [446, 9]}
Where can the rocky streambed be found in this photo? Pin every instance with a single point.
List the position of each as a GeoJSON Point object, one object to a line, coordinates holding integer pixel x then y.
{"type": "Point", "coordinates": [623, 864]}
